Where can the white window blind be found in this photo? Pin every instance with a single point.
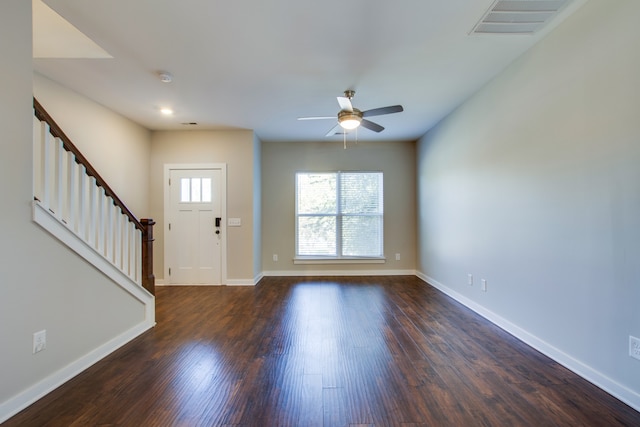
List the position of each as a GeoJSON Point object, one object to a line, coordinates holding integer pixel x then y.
{"type": "Point", "coordinates": [339, 214]}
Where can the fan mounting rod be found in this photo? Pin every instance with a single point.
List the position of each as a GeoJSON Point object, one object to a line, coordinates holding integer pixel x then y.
{"type": "Point", "coordinates": [349, 93]}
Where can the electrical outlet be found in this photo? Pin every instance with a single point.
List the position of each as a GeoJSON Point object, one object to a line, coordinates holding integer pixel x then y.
{"type": "Point", "coordinates": [470, 279]}
{"type": "Point", "coordinates": [634, 347]}
{"type": "Point", "coordinates": [275, 257]}
{"type": "Point", "coordinates": [39, 341]}
{"type": "Point", "coordinates": [483, 285]}
{"type": "Point", "coordinates": [397, 257]}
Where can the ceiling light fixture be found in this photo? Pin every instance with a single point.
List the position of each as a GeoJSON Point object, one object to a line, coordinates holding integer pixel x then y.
{"type": "Point", "coordinates": [350, 119]}
{"type": "Point", "coordinates": [166, 111]}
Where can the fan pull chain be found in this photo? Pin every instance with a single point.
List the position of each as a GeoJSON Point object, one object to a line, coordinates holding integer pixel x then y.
{"type": "Point", "coordinates": [344, 136]}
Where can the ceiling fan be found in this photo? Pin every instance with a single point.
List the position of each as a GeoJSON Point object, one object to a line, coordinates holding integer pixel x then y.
{"type": "Point", "coordinates": [350, 118]}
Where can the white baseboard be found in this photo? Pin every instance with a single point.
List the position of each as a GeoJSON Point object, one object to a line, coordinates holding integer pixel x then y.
{"type": "Point", "coordinates": [231, 282]}
{"type": "Point", "coordinates": [241, 282]}
{"type": "Point", "coordinates": [619, 391]}
{"type": "Point", "coordinates": [305, 273]}
{"type": "Point", "coordinates": [257, 279]}
{"type": "Point", "coordinates": [19, 402]}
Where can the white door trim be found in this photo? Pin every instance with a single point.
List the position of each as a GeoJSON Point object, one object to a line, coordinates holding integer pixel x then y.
{"type": "Point", "coordinates": [168, 167]}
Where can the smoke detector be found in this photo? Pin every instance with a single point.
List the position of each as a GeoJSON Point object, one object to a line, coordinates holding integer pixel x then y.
{"type": "Point", "coordinates": [165, 77]}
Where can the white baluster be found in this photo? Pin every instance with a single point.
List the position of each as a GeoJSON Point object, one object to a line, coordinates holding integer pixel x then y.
{"type": "Point", "coordinates": [72, 185]}
{"type": "Point", "coordinates": [101, 218]}
{"type": "Point", "coordinates": [46, 165]}
{"type": "Point", "coordinates": [110, 229]}
{"type": "Point", "coordinates": [138, 264]}
{"type": "Point", "coordinates": [65, 186]}
{"type": "Point", "coordinates": [37, 160]}
{"type": "Point", "coordinates": [118, 241]}
{"type": "Point", "coordinates": [132, 251]}
{"type": "Point", "coordinates": [58, 204]}
{"type": "Point", "coordinates": [125, 245]}
{"type": "Point", "coordinates": [93, 212]}
{"type": "Point", "coordinates": [83, 200]}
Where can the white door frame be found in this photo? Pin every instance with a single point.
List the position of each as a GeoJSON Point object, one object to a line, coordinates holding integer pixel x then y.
{"type": "Point", "coordinates": [168, 167]}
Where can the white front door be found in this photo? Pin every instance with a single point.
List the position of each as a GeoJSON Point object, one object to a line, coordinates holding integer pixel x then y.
{"type": "Point", "coordinates": [194, 227]}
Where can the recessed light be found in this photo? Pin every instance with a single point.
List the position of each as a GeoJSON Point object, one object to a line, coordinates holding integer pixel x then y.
{"type": "Point", "coordinates": [166, 111]}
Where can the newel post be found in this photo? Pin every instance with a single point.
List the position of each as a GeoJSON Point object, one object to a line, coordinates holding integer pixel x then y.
{"type": "Point", "coordinates": [148, 279]}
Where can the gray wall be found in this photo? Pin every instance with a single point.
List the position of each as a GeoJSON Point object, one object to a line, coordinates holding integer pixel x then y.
{"type": "Point", "coordinates": [280, 162]}
{"type": "Point", "coordinates": [43, 285]}
{"type": "Point", "coordinates": [534, 185]}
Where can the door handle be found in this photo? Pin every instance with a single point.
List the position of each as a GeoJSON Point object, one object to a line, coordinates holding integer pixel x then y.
{"type": "Point", "coordinates": [218, 219]}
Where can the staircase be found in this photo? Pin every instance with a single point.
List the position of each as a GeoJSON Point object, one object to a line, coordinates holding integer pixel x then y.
{"type": "Point", "coordinates": [75, 204]}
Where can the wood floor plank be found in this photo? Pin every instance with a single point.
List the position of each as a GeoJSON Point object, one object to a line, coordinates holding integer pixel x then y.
{"type": "Point", "coordinates": [347, 351]}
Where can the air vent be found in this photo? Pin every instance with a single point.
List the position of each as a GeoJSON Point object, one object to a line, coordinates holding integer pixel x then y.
{"type": "Point", "coordinates": [518, 16]}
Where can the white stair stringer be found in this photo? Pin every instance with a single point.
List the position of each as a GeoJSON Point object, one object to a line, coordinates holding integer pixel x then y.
{"type": "Point", "coordinates": [61, 231]}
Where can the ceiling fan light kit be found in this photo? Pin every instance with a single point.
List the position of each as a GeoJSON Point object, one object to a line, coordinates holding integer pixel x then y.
{"type": "Point", "coordinates": [350, 118]}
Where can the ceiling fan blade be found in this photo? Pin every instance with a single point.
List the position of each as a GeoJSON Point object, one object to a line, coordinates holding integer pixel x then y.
{"type": "Point", "coordinates": [383, 110]}
{"type": "Point", "coordinates": [345, 103]}
{"type": "Point", "coordinates": [371, 126]}
{"type": "Point", "coordinates": [334, 130]}
{"type": "Point", "coordinates": [317, 118]}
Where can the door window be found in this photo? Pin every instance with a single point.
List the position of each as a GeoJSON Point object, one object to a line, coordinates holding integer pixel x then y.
{"type": "Point", "coordinates": [195, 190]}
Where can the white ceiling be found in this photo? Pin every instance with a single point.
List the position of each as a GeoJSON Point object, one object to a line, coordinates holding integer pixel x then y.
{"type": "Point", "coordinates": [255, 64]}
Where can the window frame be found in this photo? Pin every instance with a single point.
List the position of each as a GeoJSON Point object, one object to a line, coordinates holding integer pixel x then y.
{"type": "Point", "coordinates": [339, 215]}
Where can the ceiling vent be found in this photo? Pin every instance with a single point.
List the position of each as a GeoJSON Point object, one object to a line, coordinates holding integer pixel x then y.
{"type": "Point", "coordinates": [518, 16]}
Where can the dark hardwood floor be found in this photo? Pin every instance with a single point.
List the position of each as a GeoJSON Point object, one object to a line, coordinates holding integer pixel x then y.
{"type": "Point", "coordinates": [366, 351]}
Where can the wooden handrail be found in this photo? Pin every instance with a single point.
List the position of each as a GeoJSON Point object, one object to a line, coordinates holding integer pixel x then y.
{"type": "Point", "coordinates": [57, 132]}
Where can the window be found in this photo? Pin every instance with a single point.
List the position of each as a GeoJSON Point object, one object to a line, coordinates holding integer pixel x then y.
{"type": "Point", "coordinates": [195, 190]}
{"type": "Point", "coordinates": [339, 214]}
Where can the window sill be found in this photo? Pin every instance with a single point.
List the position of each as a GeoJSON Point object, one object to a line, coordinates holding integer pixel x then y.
{"type": "Point", "coordinates": [329, 260]}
